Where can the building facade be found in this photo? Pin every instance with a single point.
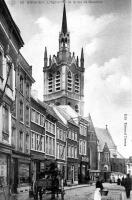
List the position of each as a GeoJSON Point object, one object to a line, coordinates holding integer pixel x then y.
{"type": "Point", "coordinates": [10, 44]}
{"type": "Point", "coordinates": [20, 137]}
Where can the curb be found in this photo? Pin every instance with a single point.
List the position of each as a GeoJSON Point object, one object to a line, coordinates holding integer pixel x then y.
{"type": "Point", "coordinates": [79, 186]}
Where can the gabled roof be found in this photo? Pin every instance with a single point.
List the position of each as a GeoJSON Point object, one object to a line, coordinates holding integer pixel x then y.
{"type": "Point", "coordinates": [104, 136]}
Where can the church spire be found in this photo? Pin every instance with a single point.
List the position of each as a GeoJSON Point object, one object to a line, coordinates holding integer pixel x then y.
{"type": "Point", "coordinates": [64, 21]}
{"type": "Point", "coordinates": [82, 58]}
{"type": "Point", "coordinates": [45, 57]}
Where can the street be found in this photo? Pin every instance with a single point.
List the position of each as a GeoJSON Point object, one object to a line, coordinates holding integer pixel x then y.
{"type": "Point", "coordinates": [85, 192]}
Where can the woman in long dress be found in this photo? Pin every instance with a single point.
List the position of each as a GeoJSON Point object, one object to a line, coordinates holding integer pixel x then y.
{"type": "Point", "coordinates": [99, 188]}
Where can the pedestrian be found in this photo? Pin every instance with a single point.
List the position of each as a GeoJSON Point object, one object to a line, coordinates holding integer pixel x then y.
{"type": "Point", "coordinates": [127, 185]}
{"type": "Point", "coordinates": [99, 188]}
{"type": "Point", "coordinates": [118, 181]}
{"type": "Point", "coordinates": [122, 181]}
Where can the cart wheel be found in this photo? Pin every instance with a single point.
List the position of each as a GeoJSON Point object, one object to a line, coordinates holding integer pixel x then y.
{"type": "Point", "coordinates": [62, 195]}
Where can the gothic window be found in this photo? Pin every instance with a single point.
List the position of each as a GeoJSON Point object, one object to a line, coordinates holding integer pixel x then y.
{"type": "Point", "coordinates": [69, 81]}
{"type": "Point", "coordinates": [76, 108]}
{"type": "Point", "coordinates": [57, 81]}
{"type": "Point", "coordinates": [77, 84]}
{"type": "Point", "coordinates": [21, 84]}
{"type": "Point", "coordinates": [1, 64]}
{"type": "Point", "coordinates": [50, 83]}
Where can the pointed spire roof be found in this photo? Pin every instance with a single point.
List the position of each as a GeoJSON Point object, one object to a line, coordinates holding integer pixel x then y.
{"type": "Point", "coordinates": [64, 21]}
{"type": "Point", "coordinates": [82, 54]}
{"type": "Point", "coordinates": [45, 53]}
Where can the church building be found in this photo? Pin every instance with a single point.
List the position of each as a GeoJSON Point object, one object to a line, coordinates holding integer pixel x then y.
{"type": "Point", "coordinates": [64, 74]}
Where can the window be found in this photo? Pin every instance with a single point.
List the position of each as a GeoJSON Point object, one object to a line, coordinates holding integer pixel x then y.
{"type": "Point", "coordinates": [76, 108]}
{"type": "Point", "coordinates": [27, 115]}
{"type": "Point", "coordinates": [75, 152]}
{"type": "Point", "coordinates": [21, 141]}
{"type": "Point", "coordinates": [50, 145]}
{"type": "Point", "coordinates": [69, 134]}
{"type": "Point", "coordinates": [9, 73]}
{"type": "Point", "coordinates": [33, 141]}
{"type": "Point", "coordinates": [42, 120]}
{"type": "Point", "coordinates": [57, 81]}
{"type": "Point", "coordinates": [5, 119]}
{"type": "Point", "coordinates": [1, 64]}
{"type": "Point", "coordinates": [37, 118]}
{"type": "Point", "coordinates": [50, 83]}
{"type": "Point", "coordinates": [77, 84]}
{"type": "Point", "coordinates": [72, 152]}
{"type": "Point", "coordinates": [21, 111]}
{"type": "Point", "coordinates": [75, 136]}
{"type": "Point", "coordinates": [82, 147]}
{"type": "Point", "coordinates": [13, 136]}
{"type": "Point", "coordinates": [72, 135]}
{"type": "Point", "coordinates": [27, 90]}
{"type": "Point", "coordinates": [69, 81]}
{"type": "Point", "coordinates": [21, 84]}
{"type": "Point", "coordinates": [27, 143]}
{"type": "Point", "coordinates": [33, 115]}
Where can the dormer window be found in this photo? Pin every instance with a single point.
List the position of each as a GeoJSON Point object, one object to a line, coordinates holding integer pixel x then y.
{"type": "Point", "coordinates": [77, 84]}
{"type": "Point", "coordinates": [50, 83]}
{"type": "Point", "coordinates": [57, 81]}
{"type": "Point", "coordinates": [69, 81]}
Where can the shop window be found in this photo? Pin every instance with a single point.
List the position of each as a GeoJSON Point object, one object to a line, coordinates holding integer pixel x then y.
{"type": "Point", "coordinates": [3, 169]}
{"type": "Point", "coordinates": [21, 111]}
{"type": "Point", "coordinates": [23, 174]}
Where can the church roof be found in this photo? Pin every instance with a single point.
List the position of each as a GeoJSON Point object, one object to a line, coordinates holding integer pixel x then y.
{"type": "Point", "coordinates": [66, 113]}
{"type": "Point", "coordinates": [64, 21]}
{"type": "Point", "coordinates": [104, 136]}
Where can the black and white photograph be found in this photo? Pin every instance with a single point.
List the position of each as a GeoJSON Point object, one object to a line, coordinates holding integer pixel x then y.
{"type": "Point", "coordinates": [65, 100]}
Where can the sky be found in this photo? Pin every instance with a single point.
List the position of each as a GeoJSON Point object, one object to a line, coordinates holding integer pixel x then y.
{"type": "Point", "coordinates": [102, 28]}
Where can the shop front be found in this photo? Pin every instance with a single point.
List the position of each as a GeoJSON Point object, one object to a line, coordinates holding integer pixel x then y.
{"type": "Point", "coordinates": [20, 173]}
{"type": "Point", "coordinates": [72, 173]}
{"type": "Point", "coordinates": [62, 168]}
{"type": "Point", "coordinates": [5, 179]}
{"type": "Point", "coordinates": [83, 170]}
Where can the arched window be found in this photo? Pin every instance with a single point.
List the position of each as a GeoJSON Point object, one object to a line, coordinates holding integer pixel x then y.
{"type": "Point", "coordinates": [57, 81]}
{"type": "Point", "coordinates": [50, 83]}
{"type": "Point", "coordinates": [77, 84]}
{"type": "Point", "coordinates": [76, 108]}
{"type": "Point", "coordinates": [69, 81]}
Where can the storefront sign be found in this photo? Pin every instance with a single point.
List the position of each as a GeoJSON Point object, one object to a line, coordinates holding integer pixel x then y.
{"type": "Point", "coordinates": [85, 159]}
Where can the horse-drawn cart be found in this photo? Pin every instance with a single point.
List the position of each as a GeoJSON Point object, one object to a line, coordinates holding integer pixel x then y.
{"type": "Point", "coordinates": [51, 182]}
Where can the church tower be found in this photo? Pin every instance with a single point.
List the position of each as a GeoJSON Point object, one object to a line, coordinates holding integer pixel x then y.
{"type": "Point", "coordinates": [64, 74]}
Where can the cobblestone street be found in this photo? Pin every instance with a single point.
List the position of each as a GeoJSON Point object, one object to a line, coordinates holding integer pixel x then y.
{"type": "Point", "coordinates": [85, 192]}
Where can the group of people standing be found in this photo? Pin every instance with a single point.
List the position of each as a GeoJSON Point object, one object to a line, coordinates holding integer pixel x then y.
{"type": "Point", "coordinates": [125, 182]}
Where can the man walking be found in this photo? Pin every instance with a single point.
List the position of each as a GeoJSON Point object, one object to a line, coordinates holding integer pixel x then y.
{"type": "Point", "coordinates": [128, 185]}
